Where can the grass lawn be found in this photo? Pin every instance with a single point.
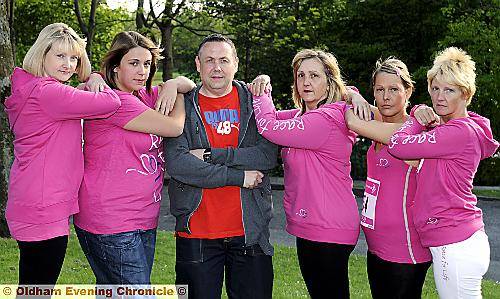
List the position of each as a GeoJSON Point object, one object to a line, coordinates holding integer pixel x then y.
{"type": "Point", "coordinates": [288, 282]}
{"type": "Point", "coordinates": [487, 193]}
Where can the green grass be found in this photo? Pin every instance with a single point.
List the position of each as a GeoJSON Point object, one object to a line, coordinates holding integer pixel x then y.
{"type": "Point", "coordinates": [487, 193]}
{"type": "Point", "coordinates": [288, 281]}
{"type": "Point", "coordinates": [157, 79]}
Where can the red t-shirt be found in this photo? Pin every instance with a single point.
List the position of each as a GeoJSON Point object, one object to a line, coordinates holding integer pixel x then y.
{"type": "Point", "coordinates": [219, 214]}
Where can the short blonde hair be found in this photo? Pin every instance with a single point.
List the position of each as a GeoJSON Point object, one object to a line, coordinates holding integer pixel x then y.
{"type": "Point", "coordinates": [454, 66]}
{"type": "Point", "coordinates": [68, 39]}
{"type": "Point", "coordinates": [336, 87]}
{"type": "Point", "coordinates": [394, 66]}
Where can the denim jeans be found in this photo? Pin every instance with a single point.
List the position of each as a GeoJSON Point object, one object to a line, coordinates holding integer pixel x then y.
{"type": "Point", "coordinates": [201, 263]}
{"type": "Point", "coordinates": [122, 258]}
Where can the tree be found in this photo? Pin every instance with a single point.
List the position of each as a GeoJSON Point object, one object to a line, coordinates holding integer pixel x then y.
{"type": "Point", "coordinates": [165, 23]}
{"type": "Point", "coordinates": [6, 138]}
{"type": "Point", "coordinates": [88, 29]}
{"type": "Point", "coordinates": [167, 20]}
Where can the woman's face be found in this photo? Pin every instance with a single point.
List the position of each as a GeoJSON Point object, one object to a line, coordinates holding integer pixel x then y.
{"type": "Point", "coordinates": [312, 84]}
{"type": "Point", "coordinates": [134, 68]}
{"type": "Point", "coordinates": [60, 63]}
{"type": "Point", "coordinates": [390, 94]}
{"type": "Point", "coordinates": [448, 100]}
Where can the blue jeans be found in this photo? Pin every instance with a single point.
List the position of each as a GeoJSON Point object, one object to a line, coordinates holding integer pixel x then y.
{"type": "Point", "coordinates": [201, 263]}
{"type": "Point", "coordinates": [122, 258]}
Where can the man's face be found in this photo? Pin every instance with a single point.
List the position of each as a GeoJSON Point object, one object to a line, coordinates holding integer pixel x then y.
{"type": "Point", "coordinates": [217, 66]}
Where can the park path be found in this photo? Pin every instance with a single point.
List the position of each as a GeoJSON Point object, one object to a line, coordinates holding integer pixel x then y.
{"type": "Point", "coordinates": [491, 211]}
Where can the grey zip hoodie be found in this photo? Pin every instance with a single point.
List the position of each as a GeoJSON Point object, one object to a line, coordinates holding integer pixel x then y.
{"type": "Point", "coordinates": [190, 175]}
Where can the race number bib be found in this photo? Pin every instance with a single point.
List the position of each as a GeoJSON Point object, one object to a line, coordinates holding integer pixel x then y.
{"type": "Point", "coordinates": [369, 203]}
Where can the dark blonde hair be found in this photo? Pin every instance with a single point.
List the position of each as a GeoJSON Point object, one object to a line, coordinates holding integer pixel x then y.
{"type": "Point", "coordinates": [392, 65]}
{"type": "Point", "coordinates": [122, 43]}
{"type": "Point", "coordinates": [65, 37]}
{"type": "Point", "coordinates": [454, 66]}
{"type": "Point", "coordinates": [336, 87]}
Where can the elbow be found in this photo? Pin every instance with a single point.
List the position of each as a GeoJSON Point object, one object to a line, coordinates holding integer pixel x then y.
{"type": "Point", "coordinates": [178, 130]}
{"type": "Point", "coordinates": [114, 103]}
{"type": "Point", "coordinates": [393, 151]}
{"type": "Point", "coordinates": [179, 127]}
{"type": "Point", "coordinates": [175, 130]}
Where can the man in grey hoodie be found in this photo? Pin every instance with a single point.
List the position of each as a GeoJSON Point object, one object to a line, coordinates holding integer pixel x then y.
{"type": "Point", "coordinates": [219, 190]}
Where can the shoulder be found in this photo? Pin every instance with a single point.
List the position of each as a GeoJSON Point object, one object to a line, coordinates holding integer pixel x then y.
{"type": "Point", "coordinates": [333, 111]}
{"type": "Point", "coordinates": [149, 98]}
{"type": "Point", "coordinates": [242, 89]}
{"type": "Point", "coordinates": [46, 87]}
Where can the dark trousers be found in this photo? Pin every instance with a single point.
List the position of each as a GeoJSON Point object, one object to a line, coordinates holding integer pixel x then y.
{"type": "Point", "coordinates": [324, 267]}
{"type": "Point", "coordinates": [201, 264]}
{"type": "Point", "coordinates": [395, 280]}
{"type": "Point", "coordinates": [40, 262]}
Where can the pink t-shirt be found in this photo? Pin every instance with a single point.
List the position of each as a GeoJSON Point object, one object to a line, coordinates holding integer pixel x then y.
{"type": "Point", "coordinates": [387, 215]}
{"type": "Point", "coordinates": [123, 177]}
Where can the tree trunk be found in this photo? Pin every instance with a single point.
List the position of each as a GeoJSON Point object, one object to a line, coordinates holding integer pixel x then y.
{"type": "Point", "coordinates": [87, 29]}
{"type": "Point", "coordinates": [6, 138]}
{"type": "Point", "coordinates": [139, 16]}
{"type": "Point", "coordinates": [166, 44]}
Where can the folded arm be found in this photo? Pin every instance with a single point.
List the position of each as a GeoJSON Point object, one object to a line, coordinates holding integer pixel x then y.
{"type": "Point", "coordinates": [412, 142]}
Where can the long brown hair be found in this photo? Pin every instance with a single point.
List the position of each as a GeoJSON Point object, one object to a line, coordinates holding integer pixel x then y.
{"type": "Point", "coordinates": [122, 43]}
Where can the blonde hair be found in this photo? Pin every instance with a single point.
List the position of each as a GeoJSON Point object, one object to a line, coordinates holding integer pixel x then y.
{"type": "Point", "coordinates": [454, 66]}
{"type": "Point", "coordinates": [68, 39]}
{"type": "Point", "coordinates": [122, 43]}
{"type": "Point", "coordinates": [392, 65]}
{"type": "Point", "coordinates": [336, 87]}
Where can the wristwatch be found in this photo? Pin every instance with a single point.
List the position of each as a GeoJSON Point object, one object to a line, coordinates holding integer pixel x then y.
{"type": "Point", "coordinates": [207, 155]}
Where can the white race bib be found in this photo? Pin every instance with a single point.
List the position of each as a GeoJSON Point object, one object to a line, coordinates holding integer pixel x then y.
{"type": "Point", "coordinates": [369, 203]}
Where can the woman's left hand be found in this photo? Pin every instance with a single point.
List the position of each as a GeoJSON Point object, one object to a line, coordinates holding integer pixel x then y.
{"type": "Point", "coordinates": [260, 85]}
{"type": "Point", "coordinates": [166, 97]}
{"type": "Point", "coordinates": [95, 83]}
{"type": "Point", "coordinates": [360, 106]}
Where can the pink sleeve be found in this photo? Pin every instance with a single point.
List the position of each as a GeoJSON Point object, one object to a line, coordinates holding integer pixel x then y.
{"type": "Point", "coordinates": [307, 131]}
{"type": "Point", "coordinates": [149, 99]}
{"type": "Point", "coordinates": [286, 114]}
{"type": "Point", "coordinates": [61, 101]}
{"type": "Point", "coordinates": [411, 142]}
{"type": "Point", "coordinates": [414, 108]}
{"type": "Point", "coordinates": [131, 108]}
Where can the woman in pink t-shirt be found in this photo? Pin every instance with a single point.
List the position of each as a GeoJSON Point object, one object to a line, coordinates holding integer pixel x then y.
{"type": "Point", "coordinates": [45, 116]}
{"type": "Point", "coordinates": [121, 190]}
{"type": "Point", "coordinates": [397, 262]}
